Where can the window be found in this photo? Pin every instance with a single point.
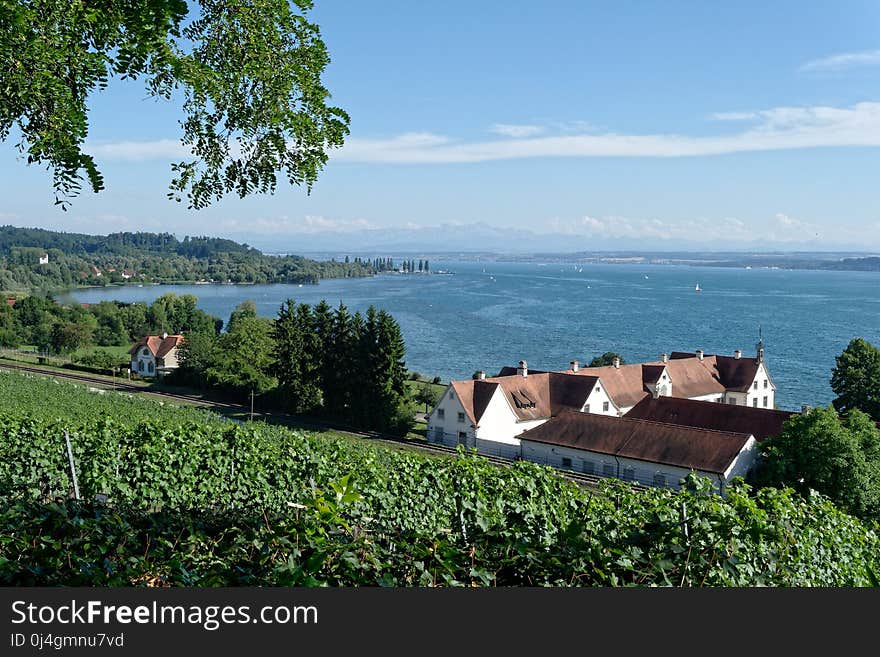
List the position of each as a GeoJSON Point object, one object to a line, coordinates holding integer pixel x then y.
{"type": "Point", "coordinates": [765, 384]}
{"type": "Point", "coordinates": [141, 365]}
{"type": "Point", "coordinates": [765, 402]}
{"type": "Point", "coordinates": [441, 414]}
{"type": "Point", "coordinates": [607, 470]}
{"type": "Point", "coordinates": [755, 402]}
{"type": "Point", "coordinates": [462, 438]}
{"type": "Point", "coordinates": [732, 400]}
{"type": "Point", "coordinates": [598, 389]}
{"type": "Point", "coordinates": [755, 386]}
{"type": "Point", "coordinates": [720, 399]}
{"type": "Point", "coordinates": [146, 352]}
{"type": "Point", "coordinates": [150, 368]}
{"type": "Point", "coordinates": [663, 377]}
{"type": "Point", "coordinates": [461, 417]}
{"type": "Point", "coordinates": [566, 462]}
{"type": "Point", "coordinates": [604, 406]}
{"type": "Point", "coordinates": [659, 480]}
{"type": "Point", "coordinates": [589, 467]}
{"type": "Point", "coordinates": [587, 408]}
{"type": "Point", "coordinates": [451, 394]}
{"type": "Point", "coordinates": [629, 474]}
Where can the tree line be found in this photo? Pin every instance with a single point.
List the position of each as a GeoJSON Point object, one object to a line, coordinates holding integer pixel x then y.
{"type": "Point", "coordinates": [98, 260]}
{"type": "Point", "coordinates": [309, 360]}
{"type": "Point", "coordinates": [62, 329]}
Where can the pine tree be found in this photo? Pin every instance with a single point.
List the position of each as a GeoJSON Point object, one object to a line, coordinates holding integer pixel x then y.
{"type": "Point", "coordinates": [426, 267]}
{"type": "Point", "coordinates": [309, 389]}
{"type": "Point", "coordinates": [387, 378]}
{"type": "Point", "coordinates": [336, 388]}
{"type": "Point", "coordinates": [295, 365]}
{"type": "Point", "coordinates": [421, 266]}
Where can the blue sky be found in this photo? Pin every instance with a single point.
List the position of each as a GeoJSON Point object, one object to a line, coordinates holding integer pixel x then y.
{"type": "Point", "coordinates": [609, 125]}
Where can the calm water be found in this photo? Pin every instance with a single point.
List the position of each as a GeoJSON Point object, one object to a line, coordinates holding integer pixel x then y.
{"type": "Point", "coordinates": [552, 314]}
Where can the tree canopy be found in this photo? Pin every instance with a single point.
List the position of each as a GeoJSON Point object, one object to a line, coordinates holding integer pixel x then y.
{"type": "Point", "coordinates": [606, 359]}
{"type": "Point", "coordinates": [856, 379]}
{"type": "Point", "coordinates": [839, 457]}
{"type": "Point", "coordinates": [247, 73]}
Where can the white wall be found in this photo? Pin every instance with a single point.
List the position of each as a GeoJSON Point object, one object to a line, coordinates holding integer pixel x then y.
{"type": "Point", "coordinates": [643, 471]}
{"type": "Point", "coordinates": [770, 391]}
{"type": "Point", "coordinates": [144, 356]}
{"type": "Point", "coordinates": [170, 359]}
{"type": "Point", "coordinates": [500, 424]}
{"type": "Point", "coordinates": [449, 425]}
{"type": "Point", "coordinates": [596, 401]}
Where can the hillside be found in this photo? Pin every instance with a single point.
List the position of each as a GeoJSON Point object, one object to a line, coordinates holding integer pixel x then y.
{"type": "Point", "coordinates": [76, 259]}
{"type": "Point", "coordinates": [184, 499]}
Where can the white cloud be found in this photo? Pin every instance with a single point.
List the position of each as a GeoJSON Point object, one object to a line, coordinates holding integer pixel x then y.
{"type": "Point", "coordinates": [843, 61]}
{"type": "Point", "coordinates": [516, 131]}
{"type": "Point", "coordinates": [733, 116]}
{"type": "Point", "coordinates": [779, 128]}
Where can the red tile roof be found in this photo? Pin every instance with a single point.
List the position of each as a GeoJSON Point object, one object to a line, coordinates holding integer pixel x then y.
{"type": "Point", "coordinates": [10, 301]}
{"type": "Point", "coordinates": [760, 422]}
{"type": "Point", "coordinates": [642, 440]}
{"type": "Point", "coordinates": [533, 397]}
{"type": "Point", "coordinates": [158, 346]}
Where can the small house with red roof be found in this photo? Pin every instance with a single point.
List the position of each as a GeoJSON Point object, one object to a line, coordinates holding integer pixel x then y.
{"type": "Point", "coordinates": [155, 355]}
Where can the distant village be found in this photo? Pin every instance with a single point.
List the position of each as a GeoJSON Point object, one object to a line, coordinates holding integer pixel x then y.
{"type": "Point", "coordinates": [647, 423]}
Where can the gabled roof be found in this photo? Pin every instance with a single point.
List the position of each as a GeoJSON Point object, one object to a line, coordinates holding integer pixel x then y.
{"type": "Point", "coordinates": [692, 377]}
{"type": "Point", "coordinates": [157, 345]}
{"type": "Point", "coordinates": [533, 397]}
{"type": "Point", "coordinates": [760, 422]}
{"type": "Point", "coordinates": [625, 384]}
{"type": "Point", "coordinates": [731, 373]}
{"type": "Point", "coordinates": [642, 440]}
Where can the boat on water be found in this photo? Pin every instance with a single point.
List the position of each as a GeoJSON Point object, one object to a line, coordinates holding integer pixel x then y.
{"type": "Point", "coordinates": [698, 289]}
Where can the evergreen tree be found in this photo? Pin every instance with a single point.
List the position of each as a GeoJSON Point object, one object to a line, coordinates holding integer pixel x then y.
{"type": "Point", "coordinates": [421, 265]}
{"type": "Point", "coordinates": [322, 317]}
{"type": "Point", "coordinates": [294, 367]}
{"type": "Point", "coordinates": [336, 388]}
{"type": "Point", "coordinates": [427, 269]}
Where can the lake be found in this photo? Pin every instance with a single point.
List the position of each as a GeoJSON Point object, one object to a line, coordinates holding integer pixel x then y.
{"type": "Point", "coordinates": [488, 314]}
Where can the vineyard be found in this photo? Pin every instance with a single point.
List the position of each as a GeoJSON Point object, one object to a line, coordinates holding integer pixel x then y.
{"type": "Point", "coordinates": [180, 497]}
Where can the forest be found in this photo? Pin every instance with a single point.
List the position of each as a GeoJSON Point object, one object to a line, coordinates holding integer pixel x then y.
{"type": "Point", "coordinates": [96, 260]}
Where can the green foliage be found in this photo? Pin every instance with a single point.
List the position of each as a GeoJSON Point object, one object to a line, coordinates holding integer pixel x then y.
{"type": "Point", "coordinates": [856, 378]}
{"type": "Point", "coordinates": [148, 258]}
{"type": "Point", "coordinates": [428, 395]}
{"type": "Point", "coordinates": [249, 75]}
{"type": "Point", "coordinates": [194, 501]}
{"type": "Point", "coordinates": [606, 359]}
{"type": "Point", "coordinates": [838, 457]}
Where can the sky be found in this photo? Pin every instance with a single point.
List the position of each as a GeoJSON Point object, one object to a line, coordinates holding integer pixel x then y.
{"type": "Point", "coordinates": [571, 125]}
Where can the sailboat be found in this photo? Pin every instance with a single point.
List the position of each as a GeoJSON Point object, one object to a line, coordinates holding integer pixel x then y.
{"type": "Point", "coordinates": [697, 289]}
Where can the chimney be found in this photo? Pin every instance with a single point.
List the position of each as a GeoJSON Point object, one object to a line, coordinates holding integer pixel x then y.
{"type": "Point", "coordinates": [738, 354]}
{"type": "Point", "coordinates": [481, 375]}
{"type": "Point", "coordinates": [700, 354]}
{"type": "Point", "coordinates": [523, 369]}
{"type": "Point", "coordinates": [617, 363]}
{"type": "Point", "coordinates": [664, 358]}
{"type": "Point", "coordinates": [574, 366]}
{"type": "Point", "coordinates": [164, 335]}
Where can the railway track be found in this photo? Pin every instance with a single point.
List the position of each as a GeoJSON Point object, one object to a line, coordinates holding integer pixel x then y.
{"type": "Point", "coordinates": [299, 422]}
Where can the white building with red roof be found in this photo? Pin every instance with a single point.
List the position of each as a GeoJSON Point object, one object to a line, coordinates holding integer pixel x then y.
{"type": "Point", "coordinates": [490, 413]}
{"type": "Point", "coordinates": [154, 355]}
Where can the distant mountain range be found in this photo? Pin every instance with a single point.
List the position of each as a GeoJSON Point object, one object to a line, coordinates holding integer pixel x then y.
{"type": "Point", "coordinates": [483, 238]}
